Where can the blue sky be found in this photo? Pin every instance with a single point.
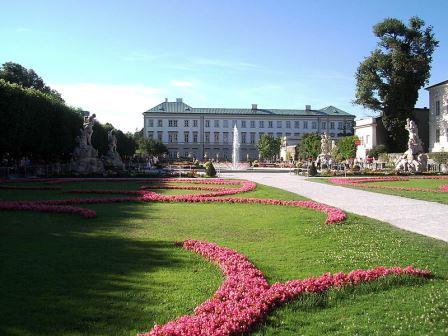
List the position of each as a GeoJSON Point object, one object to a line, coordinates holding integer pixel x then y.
{"type": "Point", "coordinates": [119, 58]}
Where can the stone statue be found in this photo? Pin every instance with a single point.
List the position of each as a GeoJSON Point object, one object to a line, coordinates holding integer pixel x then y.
{"type": "Point", "coordinates": [88, 128]}
{"type": "Point", "coordinates": [112, 160]}
{"type": "Point", "coordinates": [413, 160]}
{"type": "Point", "coordinates": [112, 140]}
{"type": "Point", "coordinates": [324, 158]}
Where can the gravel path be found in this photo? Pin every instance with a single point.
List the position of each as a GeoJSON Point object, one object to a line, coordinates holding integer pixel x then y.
{"type": "Point", "coordinates": [427, 218]}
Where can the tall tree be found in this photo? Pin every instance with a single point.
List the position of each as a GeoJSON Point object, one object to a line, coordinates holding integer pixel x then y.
{"type": "Point", "coordinates": [27, 78]}
{"type": "Point", "coordinates": [309, 146]}
{"type": "Point", "coordinates": [268, 146]}
{"type": "Point", "coordinates": [389, 79]}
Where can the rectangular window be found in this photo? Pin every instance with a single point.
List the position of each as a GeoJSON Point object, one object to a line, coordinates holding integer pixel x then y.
{"type": "Point", "coordinates": [331, 124]}
{"type": "Point", "coordinates": [314, 124]}
{"type": "Point", "coordinates": [288, 124]}
{"type": "Point", "coordinates": [172, 137]}
{"type": "Point", "coordinates": [195, 137]}
{"type": "Point", "coordinates": [261, 123]}
{"type": "Point", "coordinates": [226, 123]}
{"type": "Point", "coordinates": [207, 137]}
{"type": "Point", "coordinates": [207, 123]}
{"type": "Point", "coordinates": [243, 137]}
{"type": "Point", "coordinates": [279, 135]}
{"type": "Point", "coordinates": [305, 124]}
{"type": "Point", "coordinates": [324, 125]}
{"type": "Point", "coordinates": [216, 138]}
{"type": "Point", "coordinates": [160, 136]}
{"type": "Point", "coordinates": [297, 124]}
{"type": "Point", "coordinates": [172, 123]}
{"type": "Point", "coordinates": [225, 137]}
{"type": "Point", "coordinates": [186, 123]}
{"type": "Point", "coordinates": [216, 123]}
{"type": "Point", "coordinates": [252, 124]}
{"type": "Point", "coordinates": [437, 135]}
{"type": "Point", "coordinates": [270, 124]}
{"type": "Point", "coordinates": [243, 123]}
{"type": "Point", "coordinates": [186, 137]}
{"type": "Point", "coordinates": [195, 123]}
{"type": "Point", "coordinates": [150, 135]}
{"type": "Point", "coordinates": [340, 125]}
{"type": "Point", "coordinates": [287, 134]}
{"type": "Point", "coordinates": [252, 137]}
{"type": "Point", "coordinates": [150, 123]}
{"type": "Point", "coordinates": [437, 107]}
{"type": "Point", "coordinates": [279, 124]}
{"type": "Point", "coordinates": [297, 135]}
{"type": "Point", "coordinates": [234, 123]}
{"type": "Point", "coordinates": [159, 123]}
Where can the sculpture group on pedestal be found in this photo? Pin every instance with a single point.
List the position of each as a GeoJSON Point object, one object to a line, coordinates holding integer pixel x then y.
{"type": "Point", "coordinates": [112, 159]}
{"type": "Point", "coordinates": [324, 158]}
{"type": "Point", "coordinates": [414, 160]}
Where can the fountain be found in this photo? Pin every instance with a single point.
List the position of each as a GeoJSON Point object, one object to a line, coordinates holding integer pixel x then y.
{"type": "Point", "coordinates": [236, 149]}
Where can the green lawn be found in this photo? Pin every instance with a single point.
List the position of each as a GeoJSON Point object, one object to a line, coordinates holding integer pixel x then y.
{"type": "Point", "coordinates": [441, 197]}
{"type": "Point", "coordinates": [119, 273]}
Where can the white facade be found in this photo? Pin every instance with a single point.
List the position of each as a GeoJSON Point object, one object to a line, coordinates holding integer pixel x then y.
{"type": "Point", "coordinates": [366, 130]}
{"type": "Point", "coordinates": [208, 133]}
{"type": "Point", "coordinates": [438, 117]}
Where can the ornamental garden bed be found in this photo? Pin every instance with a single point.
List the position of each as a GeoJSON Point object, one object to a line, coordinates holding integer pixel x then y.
{"type": "Point", "coordinates": [120, 272]}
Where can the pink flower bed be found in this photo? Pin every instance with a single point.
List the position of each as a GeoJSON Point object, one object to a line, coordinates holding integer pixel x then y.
{"type": "Point", "coordinates": [334, 215]}
{"type": "Point", "coordinates": [358, 182]}
{"type": "Point", "coordinates": [245, 297]}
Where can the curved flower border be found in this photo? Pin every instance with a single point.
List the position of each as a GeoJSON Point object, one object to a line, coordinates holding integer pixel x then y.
{"type": "Point", "coordinates": [245, 298]}
{"type": "Point", "coordinates": [214, 195]}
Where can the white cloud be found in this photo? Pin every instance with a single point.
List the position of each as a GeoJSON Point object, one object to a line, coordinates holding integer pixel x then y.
{"type": "Point", "coordinates": [121, 105]}
{"type": "Point", "coordinates": [178, 83]}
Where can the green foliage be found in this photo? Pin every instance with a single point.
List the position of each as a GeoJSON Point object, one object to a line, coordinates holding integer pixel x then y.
{"type": "Point", "coordinates": [439, 157]}
{"type": "Point", "coordinates": [27, 78]}
{"type": "Point", "coordinates": [309, 147]}
{"type": "Point", "coordinates": [268, 146]}
{"type": "Point", "coordinates": [312, 170]}
{"type": "Point", "coordinates": [346, 147]}
{"type": "Point", "coordinates": [389, 79]}
{"type": "Point", "coordinates": [376, 151]}
{"type": "Point", "coordinates": [151, 147]}
{"type": "Point", "coordinates": [210, 170]}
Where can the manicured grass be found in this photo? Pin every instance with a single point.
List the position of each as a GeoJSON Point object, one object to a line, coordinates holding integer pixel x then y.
{"type": "Point", "coordinates": [119, 273]}
{"type": "Point", "coordinates": [412, 183]}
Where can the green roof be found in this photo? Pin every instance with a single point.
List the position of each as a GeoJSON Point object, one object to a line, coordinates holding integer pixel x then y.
{"type": "Point", "coordinates": [181, 107]}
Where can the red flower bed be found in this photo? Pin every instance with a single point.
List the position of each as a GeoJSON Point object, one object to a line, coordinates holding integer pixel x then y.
{"type": "Point", "coordinates": [245, 297]}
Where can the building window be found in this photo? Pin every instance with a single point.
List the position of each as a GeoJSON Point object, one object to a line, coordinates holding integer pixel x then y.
{"type": "Point", "coordinates": [288, 124]}
{"type": "Point", "coordinates": [305, 124]}
{"type": "Point", "coordinates": [150, 135]}
{"type": "Point", "coordinates": [243, 137]}
{"type": "Point", "coordinates": [287, 134]}
{"type": "Point", "coordinates": [437, 135]}
{"type": "Point", "coordinates": [216, 137]}
{"type": "Point", "coordinates": [186, 123]}
{"type": "Point", "coordinates": [150, 123]}
{"type": "Point", "coordinates": [172, 137]}
{"type": "Point", "coordinates": [297, 135]}
{"type": "Point", "coordinates": [340, 125]}
{"type": "Point", "coordinates": [172, 123]}
{"type": "Point", "coordinates": [270, 124]}
{"type": "Point", "coordinates": [252, 138]}
{"type": "Point", "coordinates": [261, 124]}
{"type": "Point", "coordinates": [243, 123]}
{"type": "Point", "coordinates": [160, 123]}
{"type": "Point", "coordinates": [437, 107]}
{"type": "Point", "coordinates": [297, 124]}
{"type": "Point", "coordinates": [216, 123]}
{"type": "Point", "coordinates": [186, 137]}
{"type": "Point", "coordinates": [195, 123]}
{"type": "Point", "coordinates": [252, 124]}
{"type": "Point", "coordinates": [331, 124]}
{"type": "Point", "coordinates": [314, 124]}
{"type": "Point", "coordinates": [160, 136]}
{"type": "Point", "coordinates": [279, 135]}
{"type": "Point", "coordinates": [225, 123]}
{"type": "Point", "coordinates": [270, 134]}
{"type": "Point", "coordinates": [225, 137]}
{"type": "Point", "coordinates": [207, 123]}
{"type": "Point", "coordinates": [195, 137]}
{"type": "Point", "coordinates": [207, 137]}
{"type": "Point", "coordinates": [324, 125]}
{"type": "Point", "coordinates": [279, 124]}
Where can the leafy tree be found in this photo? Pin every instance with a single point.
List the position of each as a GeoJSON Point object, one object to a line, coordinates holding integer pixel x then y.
{"type": "Point", "coordinates": [210, 170]}
{"type": "Point", "coordinates": [376, 151]}
{"type": "Point", "coordinates": [389, 79]}
{"type": "Point", "coordinates": [268, 146]}
{"type": "Point", "coordinates": [309, 146]}
{"type": "Point", "coordinates": [151, 147]}
{"type": "Point", "coordinates": [346, 147]}
{"type": "Point", "coordinates": [28, 78]}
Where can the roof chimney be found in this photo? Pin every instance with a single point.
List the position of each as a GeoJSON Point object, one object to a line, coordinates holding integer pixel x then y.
{"type": "Point", "coordinates": [178, 100]}
{"type": "Point", "coordinates": [254, 107]}
{"type": "Point", "coordinates": [308, 107]}
{"type": "Point", "coordinates": [166, 100]}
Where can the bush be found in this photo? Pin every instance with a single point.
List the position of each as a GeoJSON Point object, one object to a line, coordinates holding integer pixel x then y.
{"type": "Point", "coordinates": [439, 157]}
{"type": "Point", "coordinates": [312, 170]}
{"type": "Point", "coordinates": [376, 151]}
{"type": "Point", "coordinates": [210, 169]}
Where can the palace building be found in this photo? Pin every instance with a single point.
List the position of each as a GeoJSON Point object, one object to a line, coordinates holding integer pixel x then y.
{"type": "Point", "coordinates": [208, 132]}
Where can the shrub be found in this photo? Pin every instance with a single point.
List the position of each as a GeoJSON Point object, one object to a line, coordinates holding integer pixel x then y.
{"type": "Point", "coordinates": [376, 151]}
{"type": "Point", "coordinates": [210, 169]}
{"type": "Point", "coordinates": [312, 170]}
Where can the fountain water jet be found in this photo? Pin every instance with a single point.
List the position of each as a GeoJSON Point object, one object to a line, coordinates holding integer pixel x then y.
{"type": "Point", "coordinates": [236, 148]}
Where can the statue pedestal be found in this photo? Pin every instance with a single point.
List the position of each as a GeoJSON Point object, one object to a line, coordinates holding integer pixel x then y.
{"type": "Point", "coordinates": [85, 161]}
{"type": "Point", "coordinates": [113, 161]}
